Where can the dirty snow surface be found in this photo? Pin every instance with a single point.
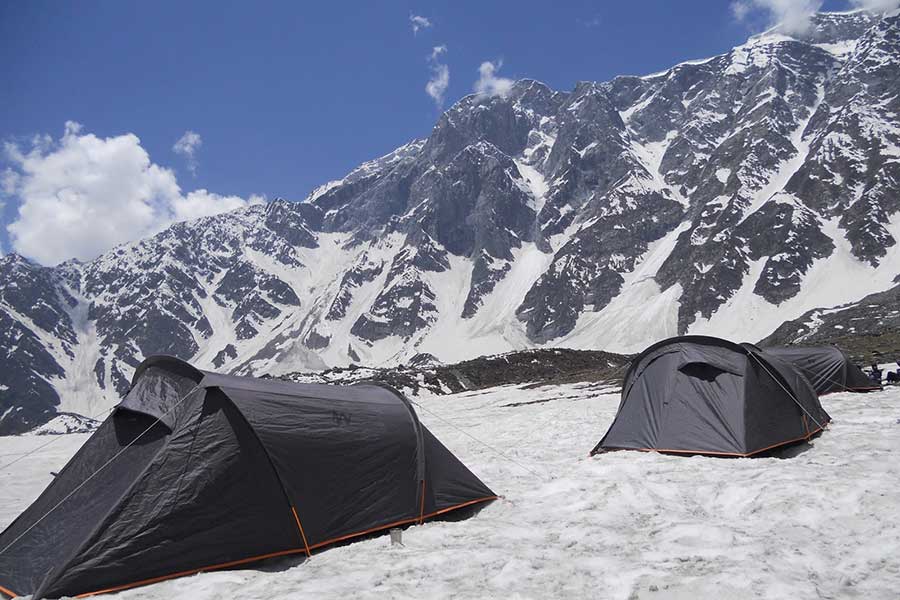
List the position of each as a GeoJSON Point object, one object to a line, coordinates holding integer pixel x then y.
{"type": "Point", "coordinates": [821, 521]}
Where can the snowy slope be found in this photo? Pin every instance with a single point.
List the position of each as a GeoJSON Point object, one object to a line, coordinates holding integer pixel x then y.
{"type": "Point", "coordinates": [819, 522]}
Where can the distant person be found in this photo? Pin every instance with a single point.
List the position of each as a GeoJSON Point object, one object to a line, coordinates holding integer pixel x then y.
{"type": "Point", "coordinates": [876, 373]}
{"type": "Point", "coordinates": [893, 376]}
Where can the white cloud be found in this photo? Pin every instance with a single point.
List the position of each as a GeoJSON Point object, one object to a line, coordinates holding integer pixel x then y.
{"type": "Point", "coordinates": [9, 182]}
{"type": "Point", "coordinates": [741, 9]}
{"type": "Point", "coordinates": [418, 22]}
{"type": "Point", "coordinates": [440, 76]}
{"type": "Point", "coordinates": [187, 146]}
{"type": "Point", "coordinates": [792, 15]}
{"type": "Point", "coordinates": [82, 195]}
{"type": "Point", "coordinates": [876, 5]}
{"type": "Point", "coordinates": [202, 203]}
{"type": "Point", "coordinates": [489, 84]}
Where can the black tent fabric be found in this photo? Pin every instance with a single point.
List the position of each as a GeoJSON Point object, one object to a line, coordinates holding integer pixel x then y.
{"type": "Point", "coordinates": [196, 471]}
{"type": "Point", "coordinates": [827, 368]}
{"type": "Point", "coordinates": [704, 395]}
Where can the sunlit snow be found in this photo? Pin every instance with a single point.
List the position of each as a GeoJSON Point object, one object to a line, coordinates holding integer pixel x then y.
{"type": "Point", "coordinates": [819, 521]}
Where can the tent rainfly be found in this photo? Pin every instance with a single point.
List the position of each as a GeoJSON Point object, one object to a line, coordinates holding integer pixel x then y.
{"type": "Point", "coordinates": [196, 471]}
{"type": "Point", "coordinates": [703, 395]}
{"type": "Point", "coordinates": [827, 368]}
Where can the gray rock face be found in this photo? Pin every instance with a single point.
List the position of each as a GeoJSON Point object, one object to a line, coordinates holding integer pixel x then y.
{"type": "Point", "coordinates": [36, 331]}
{"type": "Point", "coordinates": [364, 271]}
{"type": "Point", "coordinates": [406, 303]}
{"type": "Point", "coordinates": [225, 354]}
{"type": "Point", "coordinates": [602, 217]}
{"type": "Point", "coordinates": [868, 329]}
{"type": "Point", "coordinates": [853, 171]}
{"type": "Point", "coordinates": [587, 271]}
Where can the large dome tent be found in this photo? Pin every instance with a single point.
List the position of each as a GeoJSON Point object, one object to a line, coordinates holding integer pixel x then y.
{"type": "Point", "coordinates": [704, 395]}
{"type": "Point", "coordinates": [827, 368]}
{"type": "Point", "coordinates": [195, 471]}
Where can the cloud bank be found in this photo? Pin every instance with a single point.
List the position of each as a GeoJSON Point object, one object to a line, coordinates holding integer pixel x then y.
{"type": "Point", "coordinates": [81, 195]}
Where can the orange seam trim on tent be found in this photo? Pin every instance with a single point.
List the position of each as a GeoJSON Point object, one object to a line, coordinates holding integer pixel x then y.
{"type": "Point", "coordinates": [806, 437]}
{"type": "Point", "coordinates": [739, 453]}
{"type": "Point", "coordinates": [273, 554]}
{"type": "Point", "coordinates": [300, 527]}
{"type": "Point", "coordinates": [422, 507]}
{"type": "Point", "coordinates": [8, 592]}
{"type": "Point", "coordinates": [189, 572]}
{"type": "Point", "coordinates": [716, 453]}
{"type": "Point", "coordinates": [403, 522]}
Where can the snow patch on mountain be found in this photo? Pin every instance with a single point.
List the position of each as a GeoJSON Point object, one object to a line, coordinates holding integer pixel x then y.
{"type": "Point", "coordinates": [536, 185]}
{"type": "Point", "coordinates": [832, 281]}
{"type": "Point", "coordinates": [641, 311]}
{"type": "Point", "coordinates": [779, 179]}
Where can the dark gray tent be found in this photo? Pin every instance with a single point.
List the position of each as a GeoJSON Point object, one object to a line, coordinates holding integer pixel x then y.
{"type": "Point", "coordinates": [827, 368]}
{"type": "Point", "coordinates": [703, 395]}
{"type": "Point", "coordinates": [196, 471]}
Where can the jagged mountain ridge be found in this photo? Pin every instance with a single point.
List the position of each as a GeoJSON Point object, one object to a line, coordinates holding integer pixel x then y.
{"type": "Point", "coordinates": [720, 196]}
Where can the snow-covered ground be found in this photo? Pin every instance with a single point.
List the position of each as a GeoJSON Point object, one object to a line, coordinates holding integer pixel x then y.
{"type": "Point", "coordinates": [820, 522]}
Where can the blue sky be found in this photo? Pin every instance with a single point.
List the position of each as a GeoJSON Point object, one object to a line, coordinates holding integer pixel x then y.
{"type": "Point", "coordinates": [287, 95]}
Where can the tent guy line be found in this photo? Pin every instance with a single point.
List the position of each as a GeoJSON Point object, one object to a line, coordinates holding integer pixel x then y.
{"type": "Point", "coordinates": [24, 455]}
{"type": "Point", "coordinates": [482, 442]}
{"type": "Point", "coordinates": [106, 464]}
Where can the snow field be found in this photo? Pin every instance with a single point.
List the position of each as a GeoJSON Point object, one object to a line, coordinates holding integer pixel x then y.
{"type": "Point", "coordinates": [818, 522]}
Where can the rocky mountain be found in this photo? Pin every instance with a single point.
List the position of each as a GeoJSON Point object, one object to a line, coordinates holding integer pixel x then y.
{"type": "Point", "coordinates": [868, 329]}
{"type": "Point", "coordinates": [724, 196]}
{"type": "Point", "coordinates": [531, 368]}
{"type": "Point", "coordinates": [65, 423]}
